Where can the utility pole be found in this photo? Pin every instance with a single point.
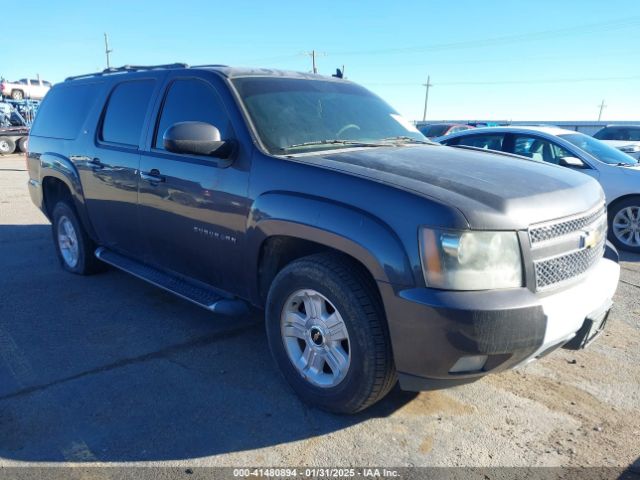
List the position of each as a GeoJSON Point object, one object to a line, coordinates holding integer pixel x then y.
{"type": "Point", "coordinates": [428, 85]}
{"type": "Point", "coordinates": [313, 54]}
{"type": "Point", "coordinates": [107, 51]}
{"type": "Point", "coordinates": [602, 107]}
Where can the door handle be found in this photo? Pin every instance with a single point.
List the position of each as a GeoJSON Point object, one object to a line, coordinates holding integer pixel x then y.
{"type": "Point", "coordinates": [153, 176]}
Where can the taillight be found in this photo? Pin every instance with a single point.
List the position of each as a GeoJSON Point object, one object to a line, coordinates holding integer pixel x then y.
{"type": "Point", "coordinates": [1, 87]}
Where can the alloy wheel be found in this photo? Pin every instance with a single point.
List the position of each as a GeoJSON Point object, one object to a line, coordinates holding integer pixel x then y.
{"type": "Point", "coordinates": [315, 338]}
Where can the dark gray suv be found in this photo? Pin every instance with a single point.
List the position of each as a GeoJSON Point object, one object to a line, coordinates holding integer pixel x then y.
{"type": "Point", "coordinates": [377, 255]}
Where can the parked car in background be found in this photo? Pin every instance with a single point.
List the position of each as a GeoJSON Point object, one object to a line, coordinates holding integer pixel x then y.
{"type": "Point", "coordinates": [617, 172]}
{"type": "Point", "coordinates": [441, 129]}
{"type": "Point", "coordinates": [625, 138]}
{"type": "Point", "coordinates": [25, 88]}
{"type": "Point", "coordinates": [233, 187]}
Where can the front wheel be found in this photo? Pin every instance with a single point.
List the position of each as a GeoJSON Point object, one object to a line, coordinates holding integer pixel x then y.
{"type": "Point", "coordinates": [624, 224]}
{"type": "Point", "coordinates": [327, 332]}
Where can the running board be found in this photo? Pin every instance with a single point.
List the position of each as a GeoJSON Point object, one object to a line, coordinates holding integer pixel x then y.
{"type": "Point", "coordinates": [200, 295]}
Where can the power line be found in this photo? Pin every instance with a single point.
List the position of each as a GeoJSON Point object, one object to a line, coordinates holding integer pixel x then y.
{"type": "Point", "coordinates": [514, 82]}
{"type": "Point", "coordinates": [508, 39]}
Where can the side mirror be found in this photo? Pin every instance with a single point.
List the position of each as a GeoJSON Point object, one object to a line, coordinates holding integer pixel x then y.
{"type": "Point", "coordinates": [196, 138]}
{"type": "Point", "coordinates": [571, 162]}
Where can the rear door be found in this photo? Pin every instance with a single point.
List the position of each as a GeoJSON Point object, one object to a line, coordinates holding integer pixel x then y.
{"type": "Point", "coordinates": [110, 174]}
{"type": "Point", "coordinates": [193, 208]}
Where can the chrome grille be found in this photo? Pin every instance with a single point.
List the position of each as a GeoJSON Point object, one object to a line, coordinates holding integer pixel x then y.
{"type": "Point", "coordinates": [565, 249]}
{"type": "Point", "coordinates": [565, 267]}
{"type": "Point", "coordinates": [549, 231]}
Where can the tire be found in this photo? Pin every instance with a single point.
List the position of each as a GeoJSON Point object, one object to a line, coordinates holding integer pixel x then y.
{"type": "Point", "coordinates": [621, 214]}
{"type": "Point", "coordinates": [65, 223]}
{"type": "Point", "coordinates": [17, 94]}
{"type": "Point", "coordinates": [369, 373]}
{"type": "Point", "coordinates": [23, 144]}
{"type": "Point", "coordinates": [7, 146]}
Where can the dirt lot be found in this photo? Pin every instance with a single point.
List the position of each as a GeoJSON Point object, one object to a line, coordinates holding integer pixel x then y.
{"type": "Point", "coordinates": [109, 369]}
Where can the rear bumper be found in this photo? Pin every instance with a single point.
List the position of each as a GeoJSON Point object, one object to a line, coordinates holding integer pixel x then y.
{"type": "Point", "coordinates": [431, 330]}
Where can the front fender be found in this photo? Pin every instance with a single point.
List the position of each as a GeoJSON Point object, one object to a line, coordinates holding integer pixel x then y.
{"type": "Point", "coordinates": [338, 226]}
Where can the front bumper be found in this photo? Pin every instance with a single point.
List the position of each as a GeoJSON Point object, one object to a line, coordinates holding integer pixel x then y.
{"type": "Point", "coordinates": [431, 330]}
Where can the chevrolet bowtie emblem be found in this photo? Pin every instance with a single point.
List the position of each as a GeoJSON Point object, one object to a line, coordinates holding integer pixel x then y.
{"type": "Point", "coordinates": [591, 238]}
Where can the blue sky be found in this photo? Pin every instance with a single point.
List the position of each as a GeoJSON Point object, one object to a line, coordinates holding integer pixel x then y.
{"type": "Point", "coordinates": [500, 59]}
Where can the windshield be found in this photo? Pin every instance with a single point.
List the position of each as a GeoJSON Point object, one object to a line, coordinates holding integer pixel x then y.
{"type": "Point", "coordinates": [431, 131]}
{"type": "Point", "coordinates": [300, 115]}
{"type": "Point", "coordinates": [599, 150]}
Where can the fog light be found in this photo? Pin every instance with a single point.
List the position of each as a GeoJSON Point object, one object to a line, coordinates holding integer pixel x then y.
{"type": "Point", "coordinates": [472, 363]}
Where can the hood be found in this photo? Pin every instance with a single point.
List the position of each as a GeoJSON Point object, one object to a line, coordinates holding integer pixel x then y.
{"type": "Point", "coordinates": [492, 191]}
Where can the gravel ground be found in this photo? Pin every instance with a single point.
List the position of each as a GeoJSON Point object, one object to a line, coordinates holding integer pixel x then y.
{"type": "Point", "coordinates": [109, 369]}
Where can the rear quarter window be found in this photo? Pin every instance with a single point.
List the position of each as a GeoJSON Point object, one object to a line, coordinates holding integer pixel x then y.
{"type": "Point", "coordinates": [64, 110]}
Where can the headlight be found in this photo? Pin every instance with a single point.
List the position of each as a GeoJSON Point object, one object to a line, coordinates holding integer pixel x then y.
{"type": "Point", "coordinates": [470, 260]}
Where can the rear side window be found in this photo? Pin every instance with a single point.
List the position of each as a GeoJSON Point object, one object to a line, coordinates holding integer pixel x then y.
{"type": "Point", "coordinates": [489, 142]}
{"type": "Point", "coordinates": [126, 109]}
{"type": "Point", "coordinates": [64, 110]}
{"type": "Point", "coordinates": [191, 100]}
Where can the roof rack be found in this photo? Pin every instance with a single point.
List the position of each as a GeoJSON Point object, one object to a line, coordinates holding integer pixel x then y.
{"type": "Point", "coordinates": [209, 65]}
{"type": "Point", "coordinates": [128, 68]}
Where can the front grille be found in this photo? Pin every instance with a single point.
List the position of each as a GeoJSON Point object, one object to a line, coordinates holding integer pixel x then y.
{"type": "Point", "coordinates": [550, 231]}
{"type": "Point", "coordinates": [565, 249]}
{"type": "Point", "coordinates": [565, 267]}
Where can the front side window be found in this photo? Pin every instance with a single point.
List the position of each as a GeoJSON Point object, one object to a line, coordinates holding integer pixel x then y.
{"type": "Point", "coordinates": [125, 113]}
{"type": "Point", "coordinates": [293, 115]}
{"type": "Point", "coordinates": [619, 133]}
{"type": "Point", "coordinates": [539, 149]}
{"type": "Point", "coordinates": [492, 141]}
{"type": "Point", "coordinates": [192, 100]}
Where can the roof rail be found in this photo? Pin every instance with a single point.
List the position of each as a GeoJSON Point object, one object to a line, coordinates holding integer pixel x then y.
{"type": "Point", "coordinates": [128, 68]}
{"type": "Point", "coordinates": [209, 65]}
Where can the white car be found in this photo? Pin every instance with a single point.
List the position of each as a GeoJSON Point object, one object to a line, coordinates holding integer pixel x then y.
{"type": "Point", "coordinates": [25, 88]}
{"type": "Point", "coordinates": [617, 172]}
{"type": "Point", "coordinates": [625, 138]}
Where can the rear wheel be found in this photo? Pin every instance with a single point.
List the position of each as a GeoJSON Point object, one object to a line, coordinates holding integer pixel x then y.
{"type": "Point", "coordinates": [17, 94]}
{"type": "Point", "coordinates": [74, 248]}
{"type": "Point", "coordinates": [7, 146]}
{"type": "Point", "coordinates": [624, 224]}
{"type": "Point", "coordinates": [23, 144]}
{"type": "Point", "coordinates": [327, 332]}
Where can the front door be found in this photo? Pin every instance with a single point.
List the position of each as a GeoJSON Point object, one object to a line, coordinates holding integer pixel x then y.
{"type": "Point", "coordinates": [193, 210]}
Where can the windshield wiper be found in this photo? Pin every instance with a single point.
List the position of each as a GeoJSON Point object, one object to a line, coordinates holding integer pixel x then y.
{"type": "Point", "coordinates": [406, 139]}
{"type": "Point", "coordinates": [353, 143]}
{"type": "Point", "coordinates": [623, 164]}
